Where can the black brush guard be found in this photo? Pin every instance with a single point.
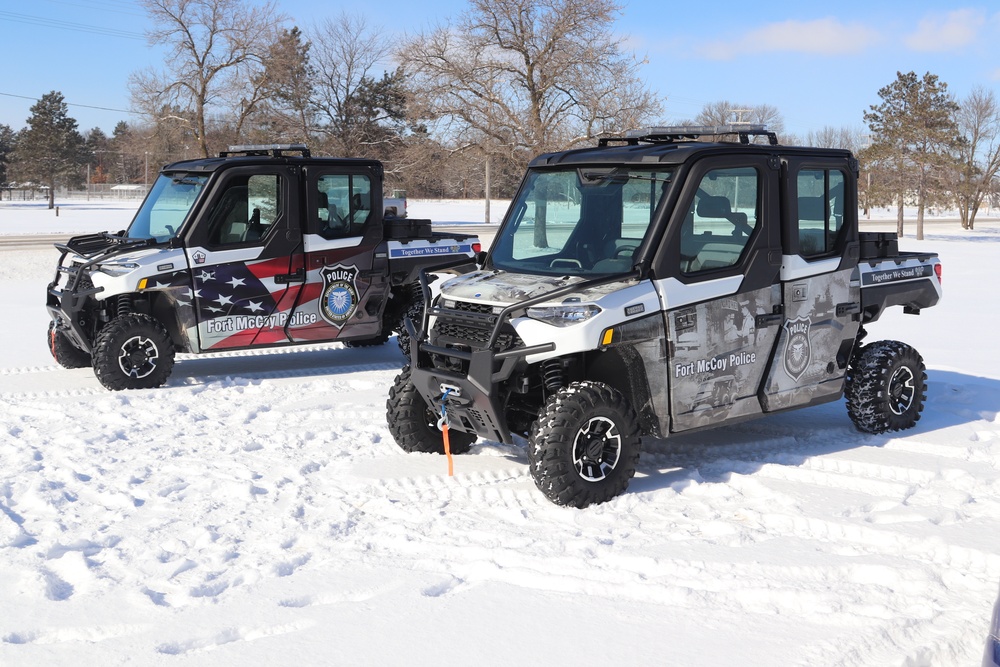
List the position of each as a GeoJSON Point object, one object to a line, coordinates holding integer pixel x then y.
{"type": "Point", "coordinates": [65, 304]}
{"type": "Point", "coordinates": [474, 403]}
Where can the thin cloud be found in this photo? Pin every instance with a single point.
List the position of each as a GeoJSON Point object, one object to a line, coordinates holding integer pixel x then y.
{"type": "Point", "coordinates": [937, 33]}
{"type": "Point", "coordinates": [828, 37]}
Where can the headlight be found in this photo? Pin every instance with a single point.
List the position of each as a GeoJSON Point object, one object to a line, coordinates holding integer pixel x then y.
{"type": "Point", "coordinates": [117, 269]}
{"type": "Point", "coordinates": [563, 316]}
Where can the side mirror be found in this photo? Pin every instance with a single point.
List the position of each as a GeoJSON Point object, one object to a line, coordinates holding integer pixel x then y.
{"type": "Point", "coordinates": [481, 257]}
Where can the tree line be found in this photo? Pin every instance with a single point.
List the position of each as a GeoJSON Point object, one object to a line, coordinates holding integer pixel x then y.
{"type": "Point", "coordinates": [470, 103]}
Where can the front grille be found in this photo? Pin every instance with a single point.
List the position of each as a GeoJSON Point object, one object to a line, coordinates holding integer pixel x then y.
{"type": "Point", "coordinates": [469, 307]}
{"type": "Point", "coordinates": [456, 330]}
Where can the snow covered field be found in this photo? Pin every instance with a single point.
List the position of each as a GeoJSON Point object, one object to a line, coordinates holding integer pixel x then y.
{"type": "Point", "coordinates": [256, 511]}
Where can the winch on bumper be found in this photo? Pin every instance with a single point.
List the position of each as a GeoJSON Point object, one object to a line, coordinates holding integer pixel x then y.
{"type": "Point", "coordinates": [470, 351]}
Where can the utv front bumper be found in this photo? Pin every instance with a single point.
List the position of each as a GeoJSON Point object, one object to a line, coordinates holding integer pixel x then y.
{"type": "Point", "coordinates": [71, 291]}
{"type": "Point", "coordinates": [474, 357]}
{"type": "Point", "coordinates": [474, 401]}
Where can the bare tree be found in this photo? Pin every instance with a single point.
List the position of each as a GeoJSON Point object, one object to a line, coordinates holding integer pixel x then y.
{"type": "Point", "coordinates": [519, 77]}
{"type": "Point", "coordinates": [848, 138]}
{"type": "Point", "coordinates": [353, 91]}
{"type": "Point", "coordinates": [216, 59]}
{"type": "Point", "coordinates": [979, 157]}
{"type": "Point", "coordinates": [529, 74]}
{"type": "Point", "coordinates": [728, 113]}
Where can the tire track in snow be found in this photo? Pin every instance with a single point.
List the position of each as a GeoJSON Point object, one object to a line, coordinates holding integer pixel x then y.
{"type": "Point", "coordinates": [181, 381]}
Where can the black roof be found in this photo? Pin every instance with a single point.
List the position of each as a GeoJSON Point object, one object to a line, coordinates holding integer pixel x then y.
{"type": "Point", "coordinates": [269, 154]}
{"type": "Point", "coordinates": [676, 145]}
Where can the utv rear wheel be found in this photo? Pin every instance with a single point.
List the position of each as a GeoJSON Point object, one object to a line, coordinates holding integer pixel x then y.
{"type": "Point", "coordinates": [886, 387]}
{"type": "Point", "coordinates": [414, 425]}
{"type": "Point", "coordinates": [584, 447]}
{"type": "Point", "coordinates": [413, 313]}
{"type": "Point", "coordinates": [369, 342]}
{"type": "Point", "coordinates": [133, 352]}
{"type": "Point", "coordinates": [64, 352]}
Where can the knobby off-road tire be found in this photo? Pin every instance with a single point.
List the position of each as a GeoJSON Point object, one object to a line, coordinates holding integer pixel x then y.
{"type": "Point", "coordinates": [584, 446]}
{"type": "Point", "coordinates": [886, 387]}
{"type": "Point", "coordinates": [369, 342]}
{"type": "Point", "coordinates": [414, 425]}
{"type": "Point", "coordinates": [133, 352]}
{"type": "Point", "coordinates": [414, 313]}
{"type": "Point", "coordinates": [64, 352]}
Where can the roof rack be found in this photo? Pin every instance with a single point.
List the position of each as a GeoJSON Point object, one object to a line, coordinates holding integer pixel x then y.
{"type": "Point", "coordinates": [673, 133]}
{"type": "Point", "coordinates": [265, 150]}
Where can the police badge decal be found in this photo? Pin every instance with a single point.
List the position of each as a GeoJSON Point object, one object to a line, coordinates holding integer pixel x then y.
{"type": "Point", "coordinates": [797, 350]}
{"type": "Point", "coordinates": [339, 298]}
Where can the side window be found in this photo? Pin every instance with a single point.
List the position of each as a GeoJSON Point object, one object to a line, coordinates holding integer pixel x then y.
{"type": "Point", "coordinates": [246, 210]}
{"type": "Point", "coordinates": [721, 219]}
{"type": "Point", "coordinates": [821, 210]}
{"type": "Point", "coordinates": [343, 205]}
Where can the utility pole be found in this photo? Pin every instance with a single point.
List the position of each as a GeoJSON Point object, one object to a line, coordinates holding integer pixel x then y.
{"type": "Point", "coordinates": [487, 188]}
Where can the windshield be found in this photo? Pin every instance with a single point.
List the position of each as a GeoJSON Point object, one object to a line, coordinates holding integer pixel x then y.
{"type": "Point", "coordinates": [581, 222]}
{"type": "Point", "coordinates": [168, 203]}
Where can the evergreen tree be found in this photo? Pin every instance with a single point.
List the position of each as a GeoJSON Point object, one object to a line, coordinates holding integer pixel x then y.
{"type": "Point", "coordinates": [7, 136]}
{"type": "Point", "coordinates": [97, 145]}
{"type": "Point", "coordinates": [914, 139]}
{"type": "Point", "coordinates": [290, 86]}
{"type": "Point", "coordinates": [373, 116]}
{"type": "Point", "coordinates": [50, 150]}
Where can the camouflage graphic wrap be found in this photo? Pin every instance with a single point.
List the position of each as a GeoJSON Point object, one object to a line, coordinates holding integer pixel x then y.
{"type": "Point", "coordinates": [502, 288]}
{"type": "Point", "coordinates": [719, 356]}
{"type": "Point", "coordinates": [805, 361]}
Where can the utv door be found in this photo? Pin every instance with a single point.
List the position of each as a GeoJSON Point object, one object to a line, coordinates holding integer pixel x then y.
{"type": "Point", "coordinates": [243, 254]}
{"type": "Point", "coordinates": [821, 298]}
{"type": "Point", "coordinates": [346, 266]}
{"type": "Point", "coordinates": [723, 295]}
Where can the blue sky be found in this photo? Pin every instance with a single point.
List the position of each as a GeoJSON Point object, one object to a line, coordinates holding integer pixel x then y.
{"type": "Point", "coordinates": [820, 64]}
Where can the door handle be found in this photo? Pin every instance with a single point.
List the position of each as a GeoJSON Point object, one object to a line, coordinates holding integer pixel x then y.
{"type": "Point", "coordinates": [765, 321]}
{"type": "Point", "coordinates": [848, 308]}
{"type": "Point", "coordinates": [299, 276]}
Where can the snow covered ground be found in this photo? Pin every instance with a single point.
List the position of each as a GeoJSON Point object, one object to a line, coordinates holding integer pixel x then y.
{"type": "Point", "coordinates": [256, 511]}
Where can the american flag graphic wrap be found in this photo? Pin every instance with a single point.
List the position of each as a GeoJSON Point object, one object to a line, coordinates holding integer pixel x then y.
{"type": "Point", "coordinates": [242, 304]}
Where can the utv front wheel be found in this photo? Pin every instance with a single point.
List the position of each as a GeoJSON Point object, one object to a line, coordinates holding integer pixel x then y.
{"type": "Point", "coordinates": [64, 352]}
{"type": "Point", "coordinates": [414, 425]}
{"type": "Point", "coordinates": [133, 352]}
{"type": "Point", "coordinates": [584, 447]}
{"type": "Point", "coordinates": [886, 387]}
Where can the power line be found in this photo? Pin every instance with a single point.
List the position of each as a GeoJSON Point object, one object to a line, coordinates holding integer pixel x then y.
{"type": "Point", "coordinates": [70, 104]}
{"type": "Point", "coordinates": [69, 25]}
{"type": "Point", "coordinates": [117, 8]}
